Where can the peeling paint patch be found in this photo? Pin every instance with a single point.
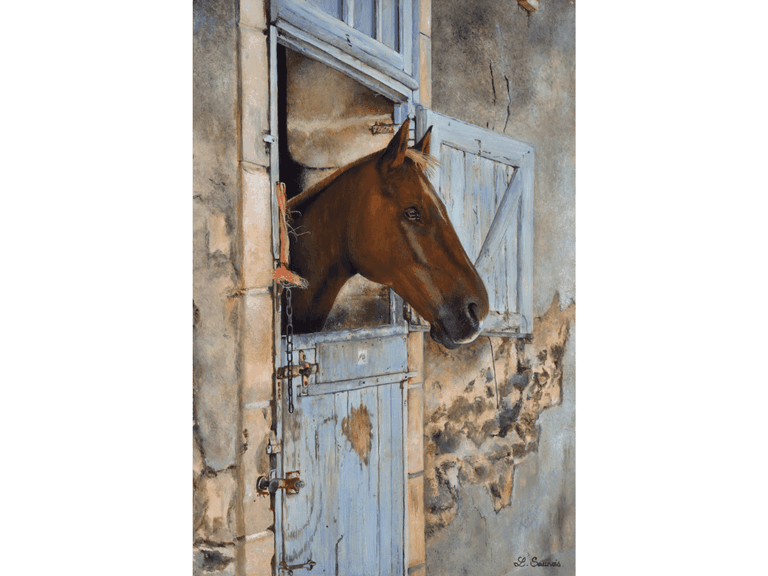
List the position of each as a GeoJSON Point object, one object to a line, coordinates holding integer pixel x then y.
{"type": "Point", "coordinates": [478, 424]}
{"type": "Point", "coordinates": [359, 431]}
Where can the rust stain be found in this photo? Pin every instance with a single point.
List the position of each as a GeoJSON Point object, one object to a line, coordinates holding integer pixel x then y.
{"type": "Point", "coordinates": [359, 431]}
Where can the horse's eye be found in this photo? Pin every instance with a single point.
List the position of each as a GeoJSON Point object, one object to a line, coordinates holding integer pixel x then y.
{"type": "Point", "coordinates": [411, 214]}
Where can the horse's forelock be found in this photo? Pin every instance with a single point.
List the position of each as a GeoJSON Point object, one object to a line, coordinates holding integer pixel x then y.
{"type": "Point", "coordinates": [428, 164]}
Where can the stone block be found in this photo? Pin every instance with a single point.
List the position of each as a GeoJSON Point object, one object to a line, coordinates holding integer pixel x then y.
{"type": "Point", "coordinates": [417, 570]}
{"type": "Point", "coordinates": [415, 429]}
{"type": "Point", "coordinates": [425, 70]}
{"type": "Point", "coordinates": [425, 17]}
{"type": "Point", "coordinates": [253, 13]}
{"type": "Point", "coordinates": [257, 228]}
{"type": "Point", "coordinates": [258, 348]}
{"type": "Point", "coordinates": [215, 494]}
{"type": "Point", "coordinates": [416, 355]}
{"type": "Point", "coordinates": [257, 513]}
{"type": "Point", "coordinates": [254, 69]}
{"type": "Point", "coordinates": [416, 538]}
{"type": "Point", "coordinates": [258, 554]}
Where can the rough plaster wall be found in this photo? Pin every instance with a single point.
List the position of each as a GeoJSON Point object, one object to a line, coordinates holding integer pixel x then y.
{"type": "Point", "coordinates": [499, 482]}
{"type": "Point", "coordinates": [482, 424]}
{"type": "Point", "coordinates": [215, 260]}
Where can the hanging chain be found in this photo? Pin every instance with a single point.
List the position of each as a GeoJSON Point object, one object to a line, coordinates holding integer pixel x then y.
{"type": "Point", "coordinates": [289, 347]}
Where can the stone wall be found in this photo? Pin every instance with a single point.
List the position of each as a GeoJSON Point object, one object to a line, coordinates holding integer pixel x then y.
{"type": "Point", "coordinates": [233, 310]}
{"type": "Point", "coordinates": [499, 413]}
{"type": "Point", "coordinates": [216, 269]}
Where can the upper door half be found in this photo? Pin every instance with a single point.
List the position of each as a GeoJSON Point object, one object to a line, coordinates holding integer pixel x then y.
{"type": "Point", "coordinates": [373, 41]}
{"type": "Point", "coordinates": [485, 180]}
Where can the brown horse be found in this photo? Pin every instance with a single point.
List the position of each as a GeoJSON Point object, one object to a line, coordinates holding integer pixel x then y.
{"type": "Point", "coordinates": [381, 218]}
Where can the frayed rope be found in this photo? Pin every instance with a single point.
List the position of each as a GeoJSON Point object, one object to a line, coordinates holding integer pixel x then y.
{"type": "Point", "coordinates": [282, 274]}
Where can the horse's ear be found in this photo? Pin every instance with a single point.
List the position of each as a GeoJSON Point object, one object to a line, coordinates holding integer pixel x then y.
{"type": "Point", "coordinates": [423, 144]}
{"type": "Point", "coordinates": [394, 155]}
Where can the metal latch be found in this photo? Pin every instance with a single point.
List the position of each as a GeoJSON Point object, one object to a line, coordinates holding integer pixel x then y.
{"type": "Point", "coordinates": [287, 569]}
{"type": "Point", "coordinates": [291, 483]}
{"type": "Point", "coordinates": [304, 369]}
{"type": "Point", "coordinates": [273, 446]}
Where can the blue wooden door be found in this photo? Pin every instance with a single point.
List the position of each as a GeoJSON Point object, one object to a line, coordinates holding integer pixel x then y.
{"type": "Point", "coordinates": [346, 439]}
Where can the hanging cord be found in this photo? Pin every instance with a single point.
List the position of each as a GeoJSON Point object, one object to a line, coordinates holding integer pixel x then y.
{"type": "Point", "coordinates": [288, 280]}
{"type": "Point", "coordinates": [495, 383]}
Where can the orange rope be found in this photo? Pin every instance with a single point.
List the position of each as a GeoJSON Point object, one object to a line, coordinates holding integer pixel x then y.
{"type": "Point", "coordinates": [282, 274]}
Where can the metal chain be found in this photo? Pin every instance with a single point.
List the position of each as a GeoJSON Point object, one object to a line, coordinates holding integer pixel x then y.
{"type": "Point", "coordinates": [289, 347]}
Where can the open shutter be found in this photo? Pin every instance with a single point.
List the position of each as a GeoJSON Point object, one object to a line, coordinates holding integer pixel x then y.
{"type": "Point", "coordinates": [370, 40]}
{"type": "Point", "coordinates": [486, 182]}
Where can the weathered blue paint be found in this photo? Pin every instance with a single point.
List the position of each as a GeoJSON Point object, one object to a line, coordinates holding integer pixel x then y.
{"type": "Point", "coordinates": [377, 51]}
{"type": "Point", "coordinates": [332, 7]}
{"type": "Point", "coordinates": [348, 444]}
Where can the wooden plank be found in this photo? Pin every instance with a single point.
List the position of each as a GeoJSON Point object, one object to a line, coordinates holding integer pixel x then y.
{"type": "Point", "coordinates": [498, 284]}
{"type": "Point", "coordinates": [385, 477]}
{"type": "Point", "coordinates": [525, 251]}
{"type": "Point", "coordinates": [507, 211]}
{"type": "Point", "coordinates": [365, 17]}
{"type": "Point", "coordinates": [379, 10]}
{"type": "Point", "coordinates": [473, 191]}
{"type": "Point", "coordinates": [499, 324]}
{"type": "Point", "coordinates": [486, 208]}
{"type": "Point", "coordinates": [402, 402]}
{"type": "Point", "coordinates": [390, 29]}
{"type": "Point", "coordinates": [510, 252]}
{"type": "Point", "coordinates": [357, 384]}
{"type": "Point", "coordinates": [452, 188]}
{"type": "Point", "coordinates": [309, 517]}
{"type": "Point", "coordinates": [348, 12]}
{"type": "Point", "coordinates": [330, 7]}
{"type": "Point", "coordinates": [358, 548]}
{"type": "Point", "coordinates": [274, 156]}
{"type": "Point", "coordinates": [360, 359]}
{"type": "Point", "coordinates": [409, 34]}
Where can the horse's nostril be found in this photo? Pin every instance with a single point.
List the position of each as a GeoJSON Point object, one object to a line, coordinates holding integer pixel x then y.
{"type": "Point", "coordinates": [472, 312]}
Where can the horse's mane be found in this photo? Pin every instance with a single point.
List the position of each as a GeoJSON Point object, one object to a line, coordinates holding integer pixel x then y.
{"type": "Point", "coordinates": [424, 162]}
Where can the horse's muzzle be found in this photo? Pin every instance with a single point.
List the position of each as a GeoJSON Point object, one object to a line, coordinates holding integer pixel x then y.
{"type": "Point", "coordinates": [459, 325]}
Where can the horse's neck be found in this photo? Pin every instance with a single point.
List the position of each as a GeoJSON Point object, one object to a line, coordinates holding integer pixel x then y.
{"type": "Point", "coordinates": [319, 254]}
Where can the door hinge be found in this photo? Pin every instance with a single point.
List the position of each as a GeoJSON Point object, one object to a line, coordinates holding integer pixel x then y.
{"type": "Point", "coordinates": [292, 483]}
{"type": "Point", "coordinates": [273, 446]}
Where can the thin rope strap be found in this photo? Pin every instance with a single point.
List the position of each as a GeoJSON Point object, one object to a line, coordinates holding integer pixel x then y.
{"type": "Point", "coordinates": [282, 274]}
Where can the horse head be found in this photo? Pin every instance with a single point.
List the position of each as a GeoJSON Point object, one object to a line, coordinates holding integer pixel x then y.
{"type": "Point", "coordinates": [399, 235]}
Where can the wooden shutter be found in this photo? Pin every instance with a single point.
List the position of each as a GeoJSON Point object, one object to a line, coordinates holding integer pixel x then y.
{"type": "Point", "coordinates": [485, 180]}
{"type": "Point", "coordinates": [370, 40]}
